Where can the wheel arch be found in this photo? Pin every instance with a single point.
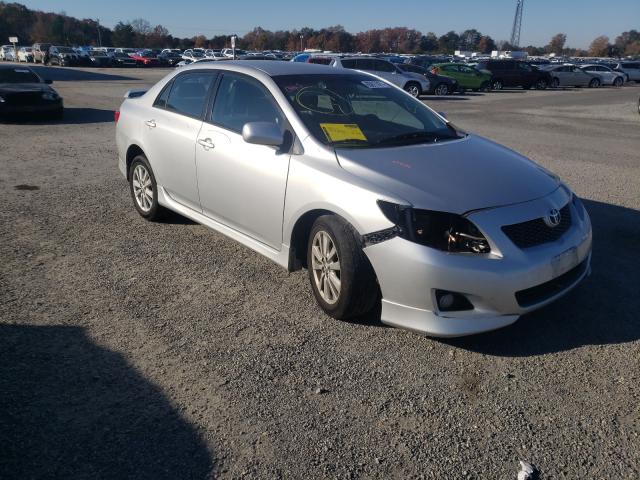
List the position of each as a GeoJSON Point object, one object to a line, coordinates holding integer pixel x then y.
{"type": "Point", "coordinates": [132, 152]}
{"type": "Point", "coordinates": [300, 237]}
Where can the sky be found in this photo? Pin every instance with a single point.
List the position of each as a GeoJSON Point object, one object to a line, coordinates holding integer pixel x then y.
{"type": "Point", "coordinates": [581, 20]}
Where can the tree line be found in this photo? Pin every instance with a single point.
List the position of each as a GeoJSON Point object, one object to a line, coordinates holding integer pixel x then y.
{"type": "Point", "coordinates": [36, 26]}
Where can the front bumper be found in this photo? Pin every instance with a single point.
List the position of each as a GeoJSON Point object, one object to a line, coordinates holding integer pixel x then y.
{"type": "Point", "coordinates": [410, 273]}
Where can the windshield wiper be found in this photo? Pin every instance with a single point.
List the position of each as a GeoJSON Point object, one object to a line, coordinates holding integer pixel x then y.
{"type": "Point", "coordinates": [420, 135]}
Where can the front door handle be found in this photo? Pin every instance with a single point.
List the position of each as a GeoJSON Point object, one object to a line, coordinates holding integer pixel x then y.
{"type": "Point", "coordinates": [206, 143]}
{"type": "Point", "coordinates": [151, 123]}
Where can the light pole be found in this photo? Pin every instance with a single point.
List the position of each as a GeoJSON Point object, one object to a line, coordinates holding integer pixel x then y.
{"type": "Point", "coordinates": [99, 33]}
{"type": "Point", "coordinates": [301, 38]}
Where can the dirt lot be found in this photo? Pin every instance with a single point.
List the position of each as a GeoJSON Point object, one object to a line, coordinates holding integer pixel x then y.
{"type": "Point", "coordinates": [137, 350]}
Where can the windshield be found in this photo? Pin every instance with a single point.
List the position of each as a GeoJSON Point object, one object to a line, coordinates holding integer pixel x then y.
{"type": "Point", "coordinates": [18, 75]}
{"type": "Point", "coordinates": [358, 111]}
{"type": "Point", "coordinates": [197, 54]}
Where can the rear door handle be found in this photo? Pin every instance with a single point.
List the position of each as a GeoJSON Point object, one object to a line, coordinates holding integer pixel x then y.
{"type": "Point", "coordinates": [206, 143]}
{"type": "Point", "coordinates": [151, 123]}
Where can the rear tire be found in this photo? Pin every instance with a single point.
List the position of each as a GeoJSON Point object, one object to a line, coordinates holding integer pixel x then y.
{"type": "Point", "coordinates": [541, 84]}
{"type": "Point", "coordinates": [618, 82]}
{"type": "Point", "coordinates": [497, 85]}
{"type": "Point", "coordinates": [413, 89]}
{"type": "Point", "coordinates": [485, 87]}
{"type": "Point", "coordinates": [144, 190]}
{"type": "Point", "coordinates": [342, 279]}
{"type": "Point", "coordinates": [555, 83]}
{"type": "Point", "coordinates": [441, 90]}
{"type": "Point", "coordinates": [595, 83]}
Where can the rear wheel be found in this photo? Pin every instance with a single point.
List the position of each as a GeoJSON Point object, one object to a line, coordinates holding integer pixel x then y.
{"type": "Point", "coordinates": [441, 89]}
{"type": "Point", "coordinates": [497, 85]}
{"type": "Point", "coordinates": [541, 84]}
{"type": "Point", "coordinates": [555, 83]}
{"type": "Point", "coordinates": [144, 190]}
{"type": "Point", "coordinates": [618, 82]}
{"type": "Point", "coordinates": [341, 277]}
{"type": "Point", "coordinates": [413, 89]}
{"type": "Point", "coordinates": [594, 83]}
{"type": "Point", "coordinates": [485, 87]}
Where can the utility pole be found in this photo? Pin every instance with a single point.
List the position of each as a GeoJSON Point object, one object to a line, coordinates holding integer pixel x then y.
{"type": "Point", "coordinates": [517, 25]}
{"type": "Point", "coordinates": [99, 33]}
{"type": "Point", "coordinates": [301, 38]}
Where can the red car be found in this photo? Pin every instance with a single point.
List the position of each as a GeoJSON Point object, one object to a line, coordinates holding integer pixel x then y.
{"type": "Point", "coordinates": [145, 59]}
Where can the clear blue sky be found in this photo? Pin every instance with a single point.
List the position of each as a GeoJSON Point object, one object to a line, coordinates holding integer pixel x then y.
{"type": "Point", "coordinates": [582, 21]}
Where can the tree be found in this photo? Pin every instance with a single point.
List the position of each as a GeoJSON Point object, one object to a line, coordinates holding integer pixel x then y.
{"type": "Point", "coordinates": [141, 26]}
{"type": "Point", "coordinates": [123, 35]}
{"type": "Point", "coordinates": [448, 42]}
{"type": "Point", "coordinates": [429, 43]}
{"type": "Point", "coordinates": [469, 39]}
{"type": "Point", "coordinates": [486, 44]}
{"type": "Point", "coordinates": [599, 47]}
{"type": "Point", "coordinates": [556, 45]}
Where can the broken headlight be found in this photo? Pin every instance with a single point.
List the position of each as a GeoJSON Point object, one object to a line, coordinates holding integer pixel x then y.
{"type": "Point", "coordinates": [445, 231]}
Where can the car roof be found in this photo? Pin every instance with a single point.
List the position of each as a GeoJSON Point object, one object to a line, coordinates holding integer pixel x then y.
{"type": "Point", "coordinates": [272, 68]}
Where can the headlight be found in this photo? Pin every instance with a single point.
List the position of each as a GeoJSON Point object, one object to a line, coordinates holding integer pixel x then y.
{"type": "Point", "coordinates": [49, 96]}
{"type": "Point", "coordinates": [441, 230]}
{"type": "Point", "coordinates": [2, 100]}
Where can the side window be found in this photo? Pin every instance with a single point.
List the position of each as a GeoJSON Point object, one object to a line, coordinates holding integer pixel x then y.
{"type": "Point", "coordinates": [467, 70]}
{"type": "Point", "coordinates": [189, 92]}
{"type": "Point", "coordinates": [349, 63]}
{"type": "Point", "coordinates": [364, 64]}
{"type": "Point", "coordinates": [242, 100]}
{"type": "Point", "coordinates": [382, 66]}
{"type": "Point", "coordinates": [524, 67]}
{"type": "Point", "coordinates": [161, 100]}
{"type": "Point", "coordinates": [450, 68]}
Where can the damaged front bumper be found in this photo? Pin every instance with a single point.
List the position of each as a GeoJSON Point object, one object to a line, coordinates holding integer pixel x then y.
{"type": "Point", "coordinates": [500, 286]}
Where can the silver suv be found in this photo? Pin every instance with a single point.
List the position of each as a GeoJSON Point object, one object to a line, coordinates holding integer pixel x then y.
{"type": "Point", "coordinates": [414, 83]}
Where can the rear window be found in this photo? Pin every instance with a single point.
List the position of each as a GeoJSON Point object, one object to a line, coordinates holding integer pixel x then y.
{"type": "Point", "coordinates": [18, 75]}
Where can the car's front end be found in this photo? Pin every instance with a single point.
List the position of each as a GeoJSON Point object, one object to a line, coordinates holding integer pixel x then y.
{"type": "Point", "coordinates": [20, 100]}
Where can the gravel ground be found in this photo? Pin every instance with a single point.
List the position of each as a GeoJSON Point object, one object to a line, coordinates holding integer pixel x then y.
{"type": "Point", "coordinates": [137, 350]}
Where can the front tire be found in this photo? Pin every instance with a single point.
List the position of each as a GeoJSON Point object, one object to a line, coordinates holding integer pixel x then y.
{"type": "Point", "coordinates": [441, 90]}
{"type": "Point", "coordinates": [541, 84]}
{"type": "Point", "coordinates": [342, 279]}
{"type": "Point", "coordinates": [497, 85]}
{"type": "Point", "coordinates": [413, 89]}
{"type": "Point", "coordinates": [595, 83]}
{"type": "Point", "coordinates": [144, 189]}
{"type": "Point", "coordinates": [618, 82]}
{"type": "Point", "coordinates": [555, 83]}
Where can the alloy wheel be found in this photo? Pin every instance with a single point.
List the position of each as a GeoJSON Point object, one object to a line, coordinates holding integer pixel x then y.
{"type": "Point", "coordinates": [325, 264]}
{"type": "Point", "coordinates": [142, 188]}
{"type": "Point", "coordinates": [413, 90]}
{"type": "Point", "coordinates": [441, 90]}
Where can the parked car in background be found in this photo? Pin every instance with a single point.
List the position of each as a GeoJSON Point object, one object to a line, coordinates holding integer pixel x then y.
{"type": "Point", "coordinates": [301, 57]}
{"type": "Point", "coordinates": [7, 53]}
{"type": "Point", "coordinates": [25, 93]}
{"type": "Point", "coordinates": [571, 76]}
{"type": "Point", "coordinates": [438, 84]}
{"type": "Point", "coordinates": [145, 58]}
{"type": "Point", "coordinates": [514, 73]}
{"type": "Point", "coordinates": [606, 75]}
{"type": "Point", "coordinates": [120, 59]}
{"type": "Point", "coordinates": [228, 52]}
{"type": "Point", "coordinates": [41, 52]}
{"type": "Point", "coordinates": [63, 56]}
{"type": "Point", "coordinates": [192, 55]}
{"type": "Point", "coordinates": [630, 69]}
{"type": "Point", "coordinates": [169, 58]}
{"type": "Point", "coordinates": [25, 54]}
{"type": "Point", "coordinates": [426, 61]}
{"type": "Point", "coordinates": [413, 83]}
{"type": "Point", "coordinates": [378, 196]}
{"type": "Point", "coordinates": [99, 58]}
{"type": "Point", "coordinates": [468, 78]}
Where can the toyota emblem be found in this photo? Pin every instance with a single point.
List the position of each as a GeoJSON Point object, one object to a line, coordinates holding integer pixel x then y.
{"type": "Point", "coordinates": [553, 218]}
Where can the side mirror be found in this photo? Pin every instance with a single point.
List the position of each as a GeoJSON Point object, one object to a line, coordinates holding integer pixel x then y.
{"type": "Point", "coordinates": [48, 81]}
{"type": "Point", "coordinates": [263, 133]}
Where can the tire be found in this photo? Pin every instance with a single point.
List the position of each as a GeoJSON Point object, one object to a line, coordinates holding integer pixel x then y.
{"type": "Point", "coordinates": [351, 289]}
{"type": "Point", "coordinates": [594, 83]}
{"type": "Point", "coordinates": [555, 83]}
{"type": "Point", "coordinates": [441, 90]}
{"type": "Point", "coordinates": [618, 82]}
{"type": "Point", "coordinates": [541, 84]}
{"type": "Point", "coordinates": [497, 85]}
{"type": "Point", "coordinates": [413, 89]}
{"type": "Point", "coordinates": [146, 205]}
{"type": "Point", "coordinates": [485, 87]}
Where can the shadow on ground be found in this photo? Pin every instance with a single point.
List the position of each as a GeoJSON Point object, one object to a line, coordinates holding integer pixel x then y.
{"type": "Point", "coordinates": [603, 310]}
{"type": "Point", "coordinates": [72, 116]}
{"type": "Point", "coordinates": [70, 74]}
{"type": "Point", "coordinates": [71, 409]}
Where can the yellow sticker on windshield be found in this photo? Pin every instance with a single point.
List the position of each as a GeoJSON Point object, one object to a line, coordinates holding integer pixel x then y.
{"type": "Point", "coordinates": [337, 132]}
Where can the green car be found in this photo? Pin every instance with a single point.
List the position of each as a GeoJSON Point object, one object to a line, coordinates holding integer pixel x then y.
{"type": "Point", "coordinates": [468, 78]}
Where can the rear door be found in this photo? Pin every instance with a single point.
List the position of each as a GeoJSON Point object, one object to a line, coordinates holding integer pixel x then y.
{"type": "Point", "coordinates": [170, 133]}
{"type": "Point", "coordinates": [242, 185]}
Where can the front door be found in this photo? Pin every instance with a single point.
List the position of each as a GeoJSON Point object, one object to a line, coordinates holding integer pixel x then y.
{"type": "Point", "coordinates": [242, 185]}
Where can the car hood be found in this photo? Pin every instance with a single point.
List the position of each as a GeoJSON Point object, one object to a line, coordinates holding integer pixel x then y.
{"type": "Point", "coordinates": [24, 87]}
{"type": "Point", "coordinates": [455, 176]}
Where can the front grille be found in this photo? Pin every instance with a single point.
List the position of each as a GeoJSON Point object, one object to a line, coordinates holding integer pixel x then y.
{"type": "Point", "coordinates": [536, 232]}
{"type": "Point", "coordinates": [24, 99]}
{"type": "Point", "coordinates": [544, 291]}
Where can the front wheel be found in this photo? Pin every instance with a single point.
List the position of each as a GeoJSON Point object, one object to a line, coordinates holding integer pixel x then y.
{"type": "Point", "coordinates": [618, 82]}
{"type": "Point", "coordinates": [497, 85]}
{"type": "Point", "coordinates": [595, 83]}
{"type": "Point", "coordinates": [485, 87]}
{"type": "Point", "coordinates": [341, 277]}
{"type": "Point", "coordinates": [555, 83]}
{"type": "Point", "coordinates": [413, 89]}
{"type": "Point", "coordinates": [541, 84]}
{"type": "Point", "coordinates": [144, 190]}
{"type": "Point", "coordinates": [441, 89]}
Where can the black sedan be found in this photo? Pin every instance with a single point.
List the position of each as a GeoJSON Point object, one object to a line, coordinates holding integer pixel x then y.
{"type": "Point", "coordinates": [439, 84]}
{"type": "Point", "coordinates": [120, 59]}
{"type": "Point", "coordinates": [23, 92]}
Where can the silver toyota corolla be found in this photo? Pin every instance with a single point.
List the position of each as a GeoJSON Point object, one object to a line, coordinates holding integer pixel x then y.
{"type": "Point", "coordinates": [347, 175]}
